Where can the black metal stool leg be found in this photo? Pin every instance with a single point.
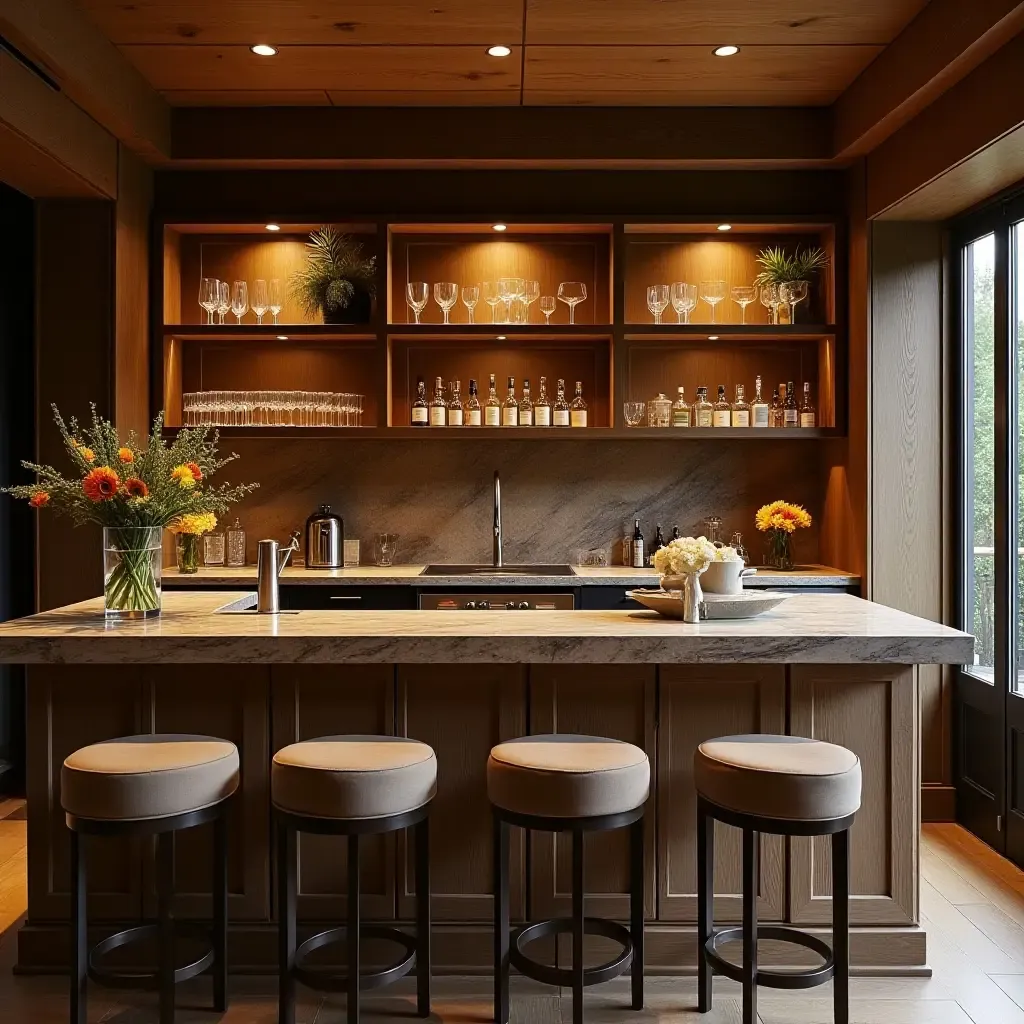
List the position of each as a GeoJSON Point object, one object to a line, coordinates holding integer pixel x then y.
{"type": "Point", "coordinates": [353, 930]}
{"type": "Point", "coordinates": [220, 913]}
{"type": "Point", "coordinates": [841, 925]}
{"type": "Point", "coordinates": [577, 926]}
{"type": "Point", "coordinates": [286, 870]}
{"type": "Point", "coordinates": [750, 887]}
{"type": "Point", "coordinates": [705, 903]}
{"type": "Point", "coordinates": [636, 911]}
{"type": "Point", "coordinates": [165, 921]}
{"type": "Point", "coordinates": [423, 917]}
{"type": "Point", "coordinates": [79, 932]}
{"type": "Point", "coordinates": [501, 921]}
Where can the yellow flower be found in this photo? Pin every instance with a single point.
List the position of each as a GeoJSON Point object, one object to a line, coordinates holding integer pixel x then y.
{"type": "Point", "coordinates": [194, 522]}
{"type": "Point", "coordinates": [87, 453]}
{"type": "Point", "coordinates": [186, 481]}
{"type": "Point", "coordinates": [126, 455]}
{"type": "Point", "coordinates": [781, 515]}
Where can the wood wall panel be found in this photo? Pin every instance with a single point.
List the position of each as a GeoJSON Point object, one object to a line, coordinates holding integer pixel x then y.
{"type": "Point", "coordinates": [873, 711]}
{"type": "Point", "coordinates": [698, 703]}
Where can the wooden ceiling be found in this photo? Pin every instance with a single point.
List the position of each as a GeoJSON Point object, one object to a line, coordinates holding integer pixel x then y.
{"type": "Point", "coordinates": [433, 52]}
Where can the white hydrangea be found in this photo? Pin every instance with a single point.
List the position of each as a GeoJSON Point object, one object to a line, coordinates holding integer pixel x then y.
{"type": "Point", "coordinates": [683, 555]}
{"type": "Point", "coordinates": [727, 554]}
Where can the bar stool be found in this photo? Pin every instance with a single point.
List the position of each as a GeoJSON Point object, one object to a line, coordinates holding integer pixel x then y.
{"type": "Point", "coordinates": [144, 786]}
{"type": "Point", "coordinates": [352, 786]}
{"type": "Point", "coordinates": [578, 784]}
{"type": "Point", "coordinates": [782, 785]}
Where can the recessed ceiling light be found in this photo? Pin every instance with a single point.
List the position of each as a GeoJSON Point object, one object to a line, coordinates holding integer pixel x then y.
{"type": "Point", "coordinates": [263, 50]}
{"type": "Point", "coordinates": [712, 337]}
{"type": "Point", "coordinates": [725, 227]}
{"type": "Point", "coordinates": [273, 227]}
{"type": "Point", "coordinates": [500, 227]}
{"type": "Point", "coordinates": [726, 51]}
{"type": "Point", "coordinates": [501, 337]}
{"type": "Point", "coordinates": [498, 51]}
{"type": "Point", "coordinates": [282, 337]}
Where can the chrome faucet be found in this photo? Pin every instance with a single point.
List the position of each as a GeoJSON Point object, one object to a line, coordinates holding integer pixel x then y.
{"type": "Point", "coordinates": [271, 559]}
{"type": "Point", "coordinates": [496, 551]}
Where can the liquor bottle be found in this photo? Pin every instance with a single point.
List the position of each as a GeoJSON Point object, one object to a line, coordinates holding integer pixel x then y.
{"type": "Point", "coordinates": [675, 533]}
{"type": "Point", "coordinates": [473, 407]}
{"type": "Point", "coordinates": [578, 408]}
{"type": "Point", "coordinates": [721, 411]}
{"type": "Point", "coordinates": [542, 407]}
{"type": "Point", "coordinates": [438, 406]}
{"type": "Point", "coordinates": [560, 412]}
{"type": "Point", "coordinates": [638, 546]}
{"type": "Point", "coordinates": [775, 413]}
{"type": "Point", "coordinates": [702, 409]}
{"type": "Point", "coordinates": [740, 408]}
{"type": "Point", "coordinates": [790, 415]}
{"type": "Point", "coordinates": [659, 543]}
{"type": "Point", "coordinates": [455, 417]}
{"type": "Point", "coordinates": [510, 407]}
{"type": "Point", "coordinates": [807, 408]}
{"type": "Point", "coordinates": [526, 405]}
{"type": "Point", "coordinates": [420, 416]}
{"type": "Point", "coordinates": [492, 411]}
{"type": "Point", "coordinates": [758, 407]}
{"type": "Point", "coordinates": [680, 410]}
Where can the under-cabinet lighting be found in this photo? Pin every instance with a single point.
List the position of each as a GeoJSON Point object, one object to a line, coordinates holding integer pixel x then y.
{"type": "Point", "coordinates": [264, 50]}
{"type": "Point", "coordinates": [273, 227]}
{"type": "Point", "coordinates": [712, 337]}
{"type": "Point", "coordinates": [282, 337]}
{"type": "Point", "coordinates": [498, 51]}
{"type": "Point", "coordinates": [501, 337]}
{"type": "Point", "coordinates": [726, 51]}
{"type": "Point", "coordinates": [725, 227]}
{"type": "Point", "coordinates": [500, 227]}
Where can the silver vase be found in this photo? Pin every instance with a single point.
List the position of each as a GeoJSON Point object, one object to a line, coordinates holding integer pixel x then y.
{"type": "Point", "coordinates": [693, 597]}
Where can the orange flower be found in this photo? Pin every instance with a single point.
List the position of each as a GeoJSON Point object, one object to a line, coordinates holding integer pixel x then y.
{"type": "Point", "coordinates": [183, 475]}
{"type": "Point", "coordinates": [136, 488]}
{"type": "Point", "coordinates": [126, 455]}
{"type": "Point", "coordinates": [87, 453]}
{"type": "Point", "coordinates": [197, 473]}
{"type": "Point", "coordinates": [39, 499]}
{"type": "Point", "coordinates": [101, 484]}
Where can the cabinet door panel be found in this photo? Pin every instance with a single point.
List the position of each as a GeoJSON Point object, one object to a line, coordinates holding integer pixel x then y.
{"type": "Point", "coordinates": [700, 702]}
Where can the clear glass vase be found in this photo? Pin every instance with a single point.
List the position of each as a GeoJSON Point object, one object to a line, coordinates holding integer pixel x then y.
{"type": "Point", "coordinates": [186, 553]}
{"type": "Point", "coordinates": [778, 550]}
{"type": "Point", "coordinates": [132, 560]}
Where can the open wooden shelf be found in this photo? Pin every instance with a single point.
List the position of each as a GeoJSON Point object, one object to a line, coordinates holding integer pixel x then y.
{"type": "Point", "coordinates": [731, 434]}
{"type": "Point", "coordinates": [730, 332]}
{"type": "Point", "coordinates": [270, 332]}
{"type": "Point", "coordinates": [501, 332]}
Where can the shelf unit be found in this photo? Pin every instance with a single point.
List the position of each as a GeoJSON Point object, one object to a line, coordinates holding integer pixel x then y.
{"type": "Point", "coordinates": [610, 348]}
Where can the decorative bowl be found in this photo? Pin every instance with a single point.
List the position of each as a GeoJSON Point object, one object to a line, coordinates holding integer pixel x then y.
{"type": "Point", "coordinates": [747, 605]}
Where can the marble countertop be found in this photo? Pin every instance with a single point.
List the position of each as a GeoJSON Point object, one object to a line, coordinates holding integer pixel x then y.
{"type": "Point", "coordinates": [811, 628]}
{"type": "Point", "coordinates": [409, 575]}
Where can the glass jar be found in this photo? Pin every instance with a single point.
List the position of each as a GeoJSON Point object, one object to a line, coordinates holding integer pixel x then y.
{"type": "Point", "coordinates": [132, 561]}
{"type": "Point", "coordinates": [235, 545]}
{"type": "Point", "coordinates": [186, 553]}
{"type": "Point", "coordinates": [737, 545]}
{"type": "Point", "coordinates": [659, 411]}
{"type": "Point", "coordinates": [213, 548]}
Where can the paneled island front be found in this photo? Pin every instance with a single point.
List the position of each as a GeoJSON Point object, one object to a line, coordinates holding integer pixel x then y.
{"type": "Point", "coordinates": [828, 666]}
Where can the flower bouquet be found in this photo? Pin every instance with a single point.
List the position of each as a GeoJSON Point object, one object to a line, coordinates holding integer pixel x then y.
{"type": "Point", "coordinates": [133, 492]}
{"type": "Point", "coordinates": [779, 521]}
{"type": "Point", "coordinates": [187, 530]}
{"type": "Point", "coordinates": [680, 563]}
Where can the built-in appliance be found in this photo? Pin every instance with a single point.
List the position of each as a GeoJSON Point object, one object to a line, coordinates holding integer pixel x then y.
{"type": "Point", "coordinates": [325, 539]}
{"type": "Point", "coordinates": [498, 601]}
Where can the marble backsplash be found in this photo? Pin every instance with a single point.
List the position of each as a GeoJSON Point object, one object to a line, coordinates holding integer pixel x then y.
{"type": "Point", "coordinates": [558, 496]}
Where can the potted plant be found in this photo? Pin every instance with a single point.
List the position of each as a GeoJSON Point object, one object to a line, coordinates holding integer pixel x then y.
{"type": "Point", "coordinates": [338, 281]}
{"type": "Point", "coordinates": [790, 276]}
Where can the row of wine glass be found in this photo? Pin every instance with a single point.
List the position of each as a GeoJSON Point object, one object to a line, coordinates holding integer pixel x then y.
{"type": "Point", "coordinates": [510, 298]}
{"type": "Point", "coordinates": [683, 298]}
{"type": "Point", "coordinates": [271, 409]}
{"type": "Point", "coordinates": [216, 298]}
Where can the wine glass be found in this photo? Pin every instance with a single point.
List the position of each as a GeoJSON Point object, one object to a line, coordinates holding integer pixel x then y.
{"type": "Point", "coordinates": [572, 293]}
{"type": "Point", "coordinates": [417, 294]}
{"type": "Point", "coordinates": [770, 301]}
{"type": "Point", "coordinates": [530, 294]}
{"type": "Point", "coordinates": [470, 297]}
{"type": "Point", "coordinates": [223, 299]}
{"type": "Point", "coordinates": [208, 296]}
{"type": "Point", "coordinates": [259, 299]}
{"type": "Point", "coordinates": [684, 299]}
{"type": "Point", "coordinates": [712, 292]}
{"type": "Point", "coordinates": [657, 300]}
{"type": "Point", "coordinates": [493, 298]}
{"type": "Point", "coordinates": [743, 295]}
{"type": "Point", "coordinates": [239, 299]}
{"type": "Point", "coordinates": [446, 294]}
{"type": "Point", "coordinates": [792, 292]}
{"type": "Point", "coordinates": [274, 298]}
{"type": "Point", "coordinates": [547, 307]}
{"type": "Point", "coordinates": [508, 291]}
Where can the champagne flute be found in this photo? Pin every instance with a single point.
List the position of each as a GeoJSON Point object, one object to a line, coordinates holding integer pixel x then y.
{"type": "Point", "coordinates": [470, 297]}
{"type": "Point", "coordinates": [208, 295]}
{"type": "Point", "coordinates": [492, 297]}
{"type": "Point", "coordinates": [572, 293]}
{"type": "Point", "coordinates": [712, 292]}
{"type": "Point", "coordinates": [657, 300]}
{"type": "Point", "coordinates": [446, 294]}
{"type": "Point", "coordinates": [548, 305]}
{"type": "Point", "coordinates": [223, 299]}
{"type": "Point", "coordinates": [743, 295]}
{"type": "Point", "coordinates": [417, 294]}
{"type": "Point", "coordinates": [259, 299]}
{"type": "Point", "coordinates": [530, 294]}
{"type": "Point", "coordinates": [239, 299]}
{"type": "Point", "coordinates": [792, 292]}
{"type": "Point", "coordinates": [274, 298]}
{"type": "Point", "coordinates": [684, 299]}
{"type": "Point", "coordinates": [770, 301]}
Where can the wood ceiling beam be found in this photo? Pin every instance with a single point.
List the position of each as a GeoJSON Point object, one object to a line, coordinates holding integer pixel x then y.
{"type": "Point", "coordinates": [90, 70]}
{"type": "Point", "coordinates": [940, 47]}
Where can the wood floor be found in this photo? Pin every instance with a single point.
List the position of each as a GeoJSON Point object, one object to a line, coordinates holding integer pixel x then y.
{"type": "Point", "coordinates": [972, 903]}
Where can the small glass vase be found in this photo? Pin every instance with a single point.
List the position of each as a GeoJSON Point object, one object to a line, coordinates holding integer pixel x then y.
{"type": "Point", "coordinates": [132, 560]}
{"type": "Point", "coordinates": [186, 552]}
{"type": "Point", "coordinates": [778, 550]}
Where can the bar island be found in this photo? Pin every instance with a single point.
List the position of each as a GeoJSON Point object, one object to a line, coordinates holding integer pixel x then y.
{"type": "Point", "coordinates": [832, 667]}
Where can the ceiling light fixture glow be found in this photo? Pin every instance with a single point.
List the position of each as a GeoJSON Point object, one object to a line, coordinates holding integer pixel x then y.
{"type": "Point", "coordinates": [726, 51]}
{"type": "Point", "coordinates": [712, 337]}
{"type": "Point", "coordinates": [498, 51]}
{"type": "Point", "coordinates": [264, 50]}
{"type": "Point", "coordinates": [725, 227]}
{"type": "Point", "coordinates": [501, 337]}
{"type": "Point", "coordinates": [500, 227]}
{"type": "Point", "coordinates": [282, 337]}
{"type": "Point", "coordinates": [273, 227]}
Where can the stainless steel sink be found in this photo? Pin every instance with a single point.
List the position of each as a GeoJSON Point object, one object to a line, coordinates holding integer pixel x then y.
{"type": "Point", "coordinates": [498, 570]}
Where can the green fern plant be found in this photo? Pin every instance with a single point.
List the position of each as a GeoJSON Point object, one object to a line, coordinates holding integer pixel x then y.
{"type": "Point", "coordinates": [337, 280]}
{"type": "Point", "coordinates": [777, 266]}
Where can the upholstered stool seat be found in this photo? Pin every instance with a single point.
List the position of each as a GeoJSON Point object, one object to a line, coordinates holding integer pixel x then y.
{"type": "Point", "coordinates": [352, 786]}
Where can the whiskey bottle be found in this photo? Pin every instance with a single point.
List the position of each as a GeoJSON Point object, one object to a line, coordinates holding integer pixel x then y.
{"type": "Point", "coordinates": [680, 410]}
{"type": "Point", "coordinates": [659, 543]}
{"type": "Point", "coordinates": [638, 546]}
{"type": "Point", "coordinates": [473, 407]}
{"type": "Point", "coordinates": [420, 417]}
{"type": "Point", "coordinates": [526, 405]}
{"type": "Point", "coordinates": [807, 418]}
{"type": "Point", "coordinates": [790, 415]}
{"type": "Point", "coordinates": [542, 407]}
{"type": "Point", "coordinates": [758, 407]}
{"type": "Point", "coordinates": [560, 412]}
{"type": "Point", "coordinates": [455, 416]}
{"type": "Point", "coordinates": [438, 406]}
{"type": "Point", "coordinates": [492, 411]}
{"type": "Point", "coordinates": [775, 413]}
{"type": "Point", "coordinates": [578, 408]}
{"type": "Point", "coordinates": [721, 411]}
{"type": "Point", "coordinates": [675, 533]}
{"type": "Point", "coordinates": [740, 408]}
{"type": "Point", "coordinates": [510, 407]}
{"type": "Point", "coordinates": [702, 409]}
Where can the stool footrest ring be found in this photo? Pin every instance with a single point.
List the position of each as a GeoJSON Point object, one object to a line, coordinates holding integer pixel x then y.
{"type": "Point", "coordinates": [809, 977]}
{"type": "Point", "coordinates": [111, 978]}
{"type": "Point", "coordinates": [563, 975]}
{"type": "Point", "coordinates": [326, 979]}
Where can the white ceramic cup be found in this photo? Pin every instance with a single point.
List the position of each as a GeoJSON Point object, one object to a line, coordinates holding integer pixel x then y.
{"type": "Point", "coordinates": [725, 577]}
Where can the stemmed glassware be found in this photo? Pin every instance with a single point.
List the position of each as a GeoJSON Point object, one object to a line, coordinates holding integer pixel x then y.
{"type": "Point", "coordinates": [509, 289]}
{"type": "Point", "coordinates": [770, 300]}
{"type": "Point", "coordinates": [684, 299]}
{"type": "Point", "coordinates": [446, 294]}
{"type": "Point", "coordinates": [274, 298]}
{"type": "Point", "coordinates": [572, 293]}
{"type": "Point", "coordinates": [259, 299]}
{"type": "Point", "coordinates": [470, 297]}
{"type": "Point", "coordinates": [208, 296]}
{"type": "Point", "coordinates": [239, 299]}
{"type": "Point", "coordinates": [548, 304]}
{"type": "Point", "coordinates": [530, 294]}
{"type": "Point", "coordinates": [792, 292]}
{"type": "Point", "coordinates": [743, 295]}
{"type": "Point", "coordinates": [712, 292]}
{"type": "Point", "coordinates": [223, 299]}
{"type": "Point", "coordinates": [657, 300]}
{"type": "Point", "coordinates": [492, 297]}
{"type": "Point", "coordinates": [417, 294]}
